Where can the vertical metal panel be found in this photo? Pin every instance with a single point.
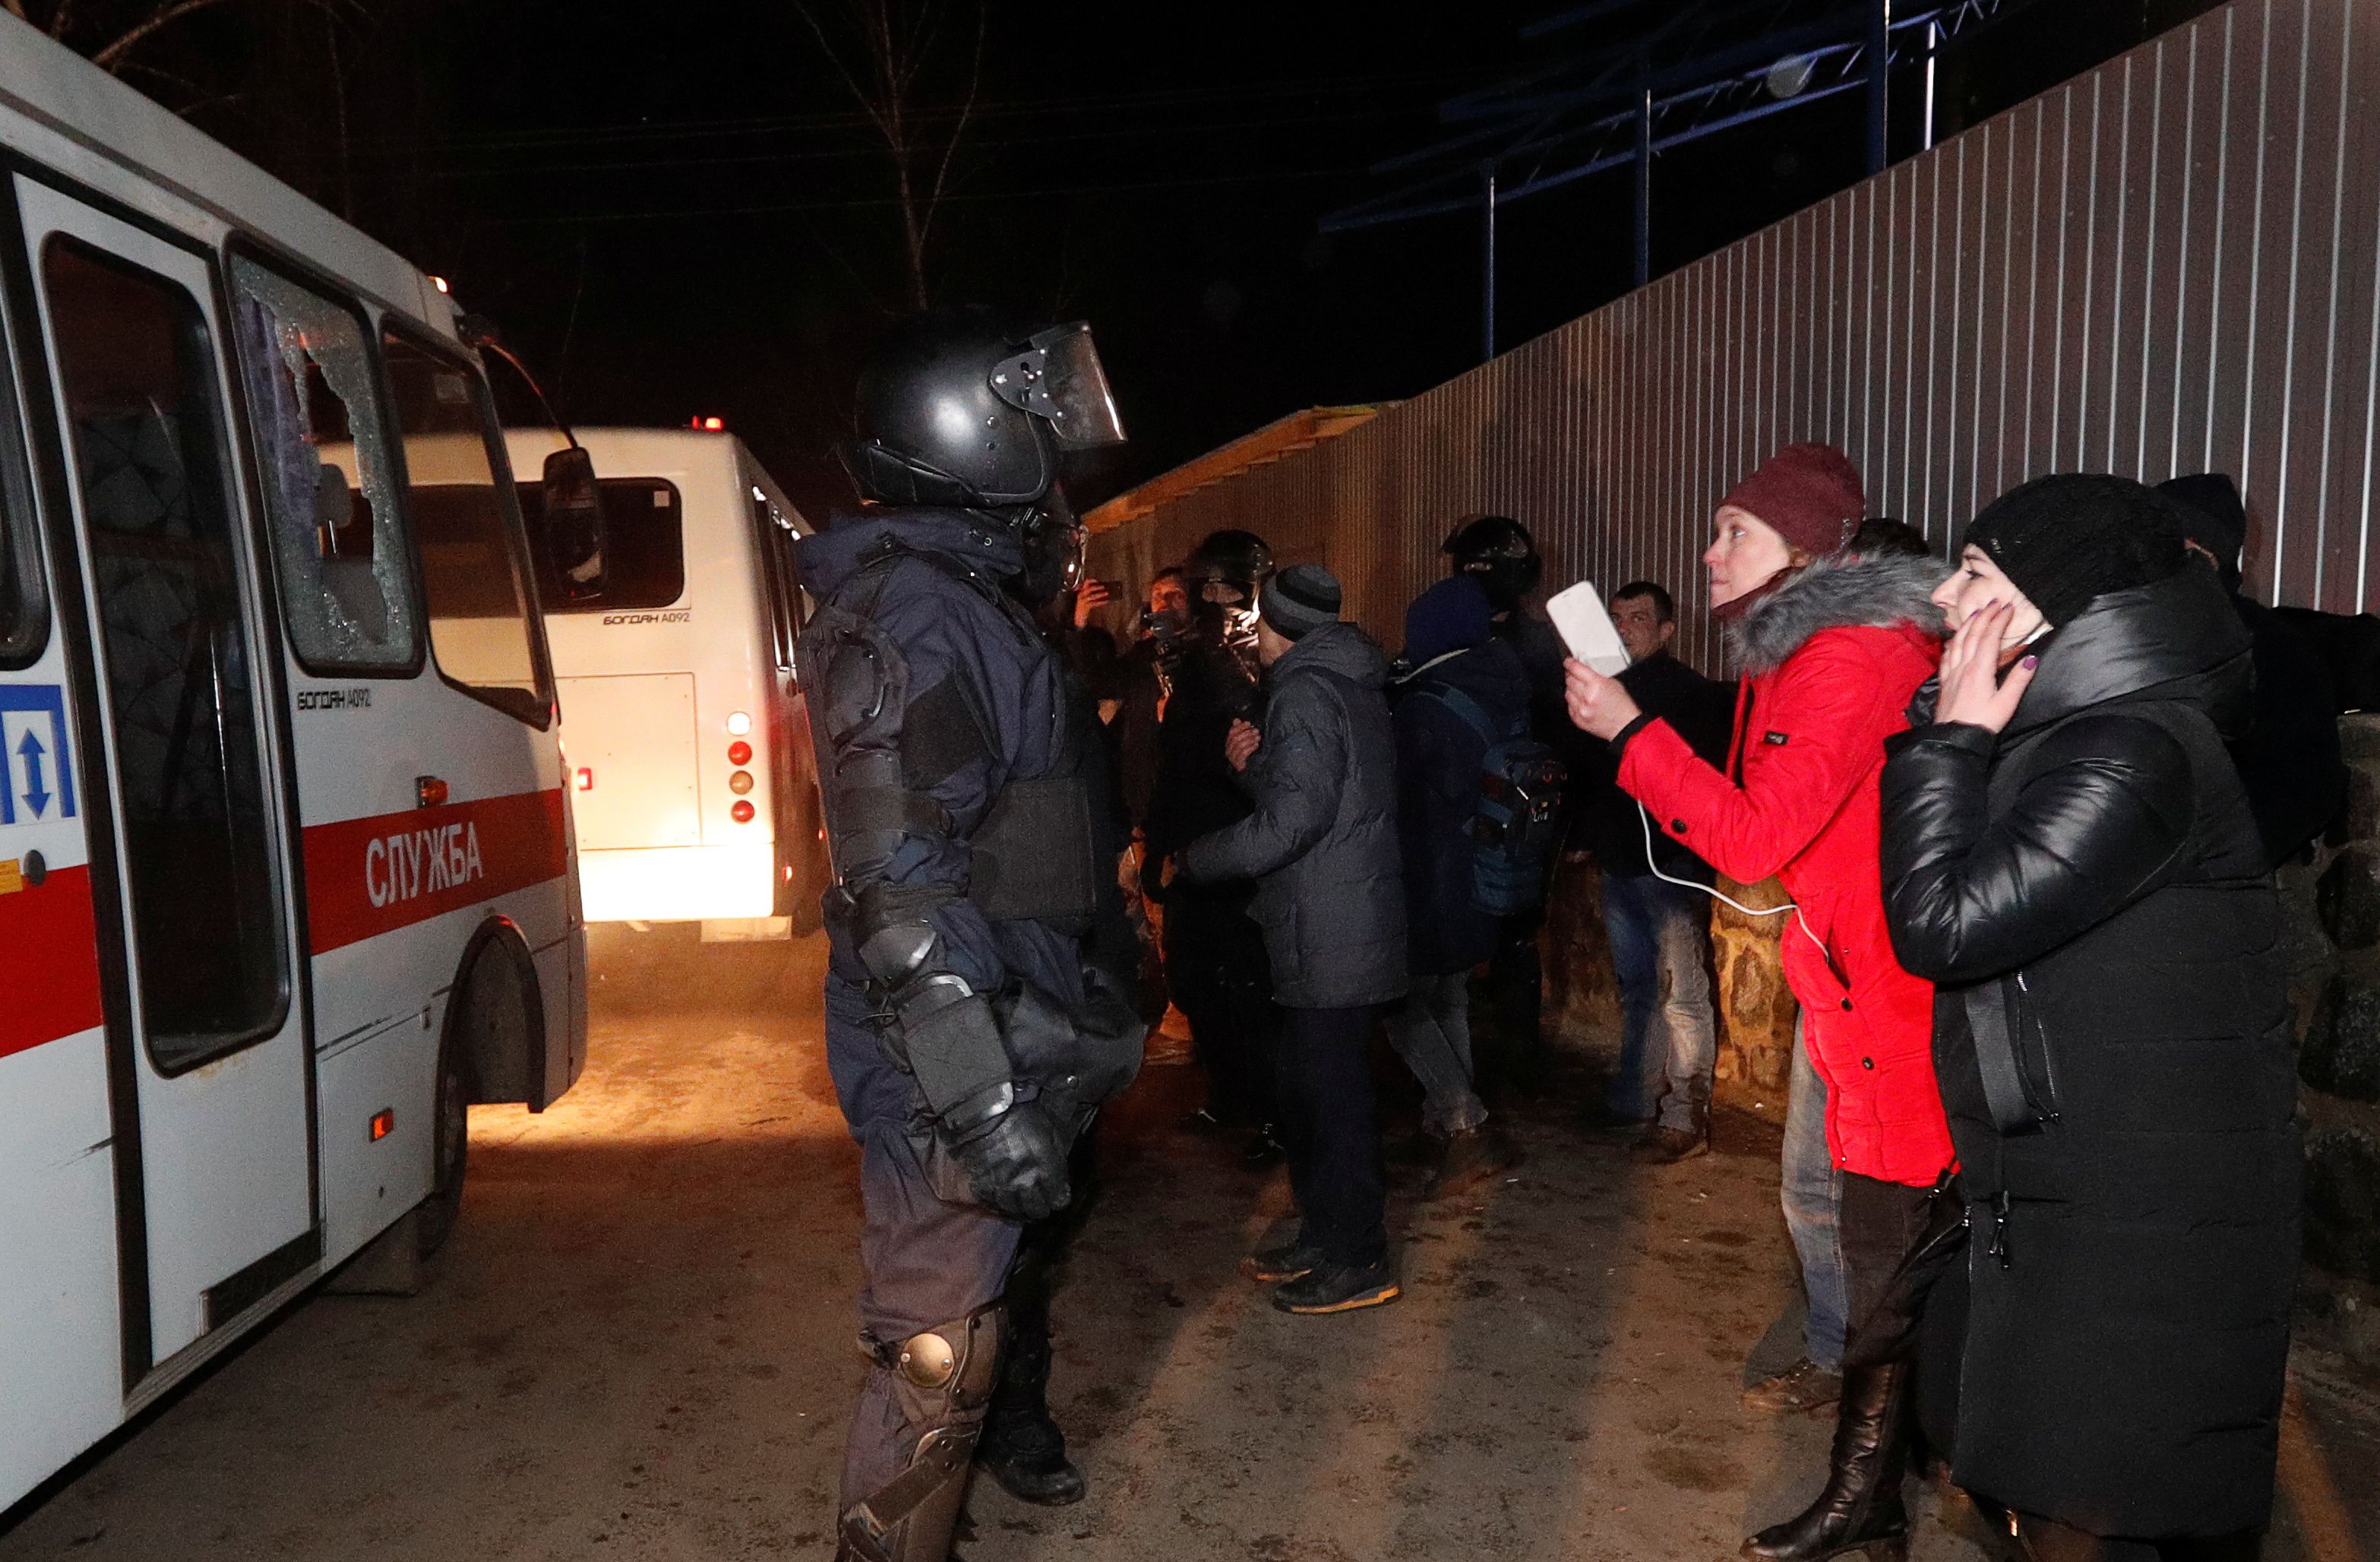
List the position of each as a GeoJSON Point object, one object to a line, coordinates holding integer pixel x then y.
{"type": "Point", "coordinates": [2172, 264]}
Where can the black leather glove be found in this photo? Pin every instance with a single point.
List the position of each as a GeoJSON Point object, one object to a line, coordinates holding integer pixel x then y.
{"type": "Point", "coordinates": [1015, 1164]}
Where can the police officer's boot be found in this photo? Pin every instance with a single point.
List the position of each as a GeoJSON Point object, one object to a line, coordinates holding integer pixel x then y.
{"type": "Point", "coordinates": [943, 1379]}
{"type": "Point", "coordinates": [1022, 1447]}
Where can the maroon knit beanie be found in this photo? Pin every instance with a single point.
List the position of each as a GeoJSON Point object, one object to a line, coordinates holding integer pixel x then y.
{"type": "Point", "coordinates": [1810, 493]}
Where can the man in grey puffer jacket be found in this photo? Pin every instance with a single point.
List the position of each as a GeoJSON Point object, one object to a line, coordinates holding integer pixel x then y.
{"type": "Point", "coordinates": [1322, 845]}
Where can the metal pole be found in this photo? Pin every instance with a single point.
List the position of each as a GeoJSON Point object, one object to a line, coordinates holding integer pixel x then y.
{"type": "Point", "coordinates": [1879, 82]}
{"type": "Point", "coordinates": [1933, 47]}
{"type": "Point", "coordinates": [1487, 260]}
{"type": "Point", "coordinates": [1644, 186]}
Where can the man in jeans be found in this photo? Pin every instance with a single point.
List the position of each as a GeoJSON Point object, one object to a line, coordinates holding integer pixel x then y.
{"type": "Point", "coordinates": [1657, 920]}
{"type": "Point", "coordinates": [1321, 845]}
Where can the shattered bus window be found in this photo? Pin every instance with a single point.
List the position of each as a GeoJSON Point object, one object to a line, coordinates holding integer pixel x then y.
{"type": "Point", "coordinates": [328, 479]}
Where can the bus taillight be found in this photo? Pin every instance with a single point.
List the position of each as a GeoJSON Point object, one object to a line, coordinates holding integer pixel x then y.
{"type": "Point", "coordinates": [739, 752]}
{"type": "Point", "coordinates": [585, 779]}
{"type": "Point", "coordinates": [741, 812]}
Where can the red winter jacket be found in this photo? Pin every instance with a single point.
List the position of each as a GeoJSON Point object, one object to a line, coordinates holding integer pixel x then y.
{"type": "Point", "coordinates": [1832, 657]}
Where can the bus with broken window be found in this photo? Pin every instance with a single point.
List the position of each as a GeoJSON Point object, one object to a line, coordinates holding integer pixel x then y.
{"type": "Point", "coordinates": [287, 875]}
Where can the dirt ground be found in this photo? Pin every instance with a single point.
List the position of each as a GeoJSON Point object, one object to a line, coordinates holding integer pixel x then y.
{"type": "Point", "coordinates": [639, 1345]}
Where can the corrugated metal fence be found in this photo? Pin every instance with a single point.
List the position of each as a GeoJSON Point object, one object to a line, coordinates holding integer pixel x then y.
{"type": "Point", "coordinates": [2168, 265]}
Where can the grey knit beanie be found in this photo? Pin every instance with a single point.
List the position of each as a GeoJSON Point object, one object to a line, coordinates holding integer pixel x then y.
{"type": "Point", "coordinates": [1299, 599]}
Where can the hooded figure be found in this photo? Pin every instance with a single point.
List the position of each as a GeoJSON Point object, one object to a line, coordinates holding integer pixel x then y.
{"type": "Point", "coordinates": [2078, 869]}
{"type": "Point", "coordinates": [2289, 755]}
{"type": "Point", "coordinates": [1451, 648]}
{"type": "Point", "coordinates": [1465, 690]}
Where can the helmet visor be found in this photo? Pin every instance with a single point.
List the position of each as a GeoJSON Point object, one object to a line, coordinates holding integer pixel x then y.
{"type": "Point", "coordinates": [1061, 381]}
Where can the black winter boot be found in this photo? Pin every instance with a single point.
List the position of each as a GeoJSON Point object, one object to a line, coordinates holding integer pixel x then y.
{"type": "Point", "coordinates": [1861, 1508]}
{"type": "Point", "coordinates": [1021, 1446]}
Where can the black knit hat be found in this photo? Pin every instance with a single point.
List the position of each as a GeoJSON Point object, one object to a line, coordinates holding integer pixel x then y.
{"type": "Point", "coordinates": [1301, 598]}
{"type": "Point", "coordinates": [2065, 540]}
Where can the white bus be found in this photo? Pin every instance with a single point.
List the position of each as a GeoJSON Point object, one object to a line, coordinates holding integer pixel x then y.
{"type": "Point", "coordinates": [286, 865]}
{"type": "Point", "coordinates": [692, 779]}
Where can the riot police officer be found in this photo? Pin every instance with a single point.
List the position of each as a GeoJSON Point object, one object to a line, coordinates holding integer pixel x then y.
{"type": "Point", "coordinates": [977, 994]}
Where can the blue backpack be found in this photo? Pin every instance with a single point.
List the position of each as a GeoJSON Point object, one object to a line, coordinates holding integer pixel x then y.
{"type": "Point", "coordinates": [1518, 822]}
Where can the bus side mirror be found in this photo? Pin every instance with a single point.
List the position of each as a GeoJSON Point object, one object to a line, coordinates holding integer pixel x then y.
{"type": "Point", "coordinates": [574, 522]}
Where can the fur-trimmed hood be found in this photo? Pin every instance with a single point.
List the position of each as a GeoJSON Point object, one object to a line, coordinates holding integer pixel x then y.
{"type": "Point", "coordinates": [1836, 593]}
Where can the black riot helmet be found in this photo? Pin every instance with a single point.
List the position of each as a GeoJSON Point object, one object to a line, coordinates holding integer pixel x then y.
{"type": "Point", "coordinates": [1235, 558]}
{"type": "Point", "coordinates": [1500, 551]}
{"type": "Point", "coordinates": [958, 407]}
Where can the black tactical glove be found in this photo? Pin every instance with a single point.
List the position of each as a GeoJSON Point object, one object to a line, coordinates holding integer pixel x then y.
{"type": "Point", "coordinates": [1014, 1161]}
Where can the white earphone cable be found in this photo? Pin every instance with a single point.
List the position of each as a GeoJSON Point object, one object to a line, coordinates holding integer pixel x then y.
{"type": "Point", "coordinates": [1644, 821]}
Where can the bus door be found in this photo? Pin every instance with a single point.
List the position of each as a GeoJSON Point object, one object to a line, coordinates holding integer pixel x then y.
{"type": "Point", "coordinates": [217, 1204]}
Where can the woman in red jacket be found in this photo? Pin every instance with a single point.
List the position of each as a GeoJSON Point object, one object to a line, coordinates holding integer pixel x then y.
{"type": "Point", "coordinates": [1832, 648]}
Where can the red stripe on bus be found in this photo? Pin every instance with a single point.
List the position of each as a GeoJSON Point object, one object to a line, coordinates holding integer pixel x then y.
{"type": "Point", "coordinates": [49, 961]}
{"type": "Point", "coordinates": [365, 877]}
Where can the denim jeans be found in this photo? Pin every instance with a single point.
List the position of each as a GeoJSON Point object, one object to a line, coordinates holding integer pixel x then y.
{"type": "Point", "coordinates": [1660, 952]}
{"type": "Point", "coordinates": [1431, 1030]}
{"type": "Point", "coordinates": [1811, 1191]}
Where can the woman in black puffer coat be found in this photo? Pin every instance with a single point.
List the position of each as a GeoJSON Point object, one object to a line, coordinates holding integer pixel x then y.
{"type": "Point", "coordinates": [2070, 856]}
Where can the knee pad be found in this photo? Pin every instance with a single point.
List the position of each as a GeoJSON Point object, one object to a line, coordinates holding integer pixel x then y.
{"type": "Point", "coordinates": [942, 1379]}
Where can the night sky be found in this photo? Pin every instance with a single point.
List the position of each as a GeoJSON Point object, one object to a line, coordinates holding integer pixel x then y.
{"type": "Point", "coordinates": [676, 208]}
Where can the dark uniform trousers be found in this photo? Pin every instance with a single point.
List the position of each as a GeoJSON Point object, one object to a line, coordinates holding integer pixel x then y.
{"type": "Point", "coordinates": [922, 1262]}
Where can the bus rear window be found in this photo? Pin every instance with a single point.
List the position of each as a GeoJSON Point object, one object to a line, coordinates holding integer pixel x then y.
{"type": "Point", "coordinates": [644, 547]}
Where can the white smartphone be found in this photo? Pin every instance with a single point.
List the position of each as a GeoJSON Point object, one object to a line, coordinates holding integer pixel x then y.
{"type": "Point", "coordinates": [1586, 628]}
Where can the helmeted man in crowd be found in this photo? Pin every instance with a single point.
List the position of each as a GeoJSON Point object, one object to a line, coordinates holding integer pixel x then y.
{"type": "Point", "coordinates": [977, 990]}
{"type": "Point", "coordinates": [1215, 966]}
{"type": "Point", "coordinates": [1498, 552]}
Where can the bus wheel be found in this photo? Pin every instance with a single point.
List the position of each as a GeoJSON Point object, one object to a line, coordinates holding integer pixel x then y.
{"type": "Point", "coordinates": [450, 1140]}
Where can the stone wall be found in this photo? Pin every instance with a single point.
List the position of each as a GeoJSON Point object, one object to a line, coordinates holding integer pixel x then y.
{"type": "Point", "coordinates": [1581, 1000]}
{"type": "Point", "coordinates": [1756, 1009]}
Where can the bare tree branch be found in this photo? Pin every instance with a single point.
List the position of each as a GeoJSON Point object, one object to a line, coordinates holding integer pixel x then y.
{"type": "Point", "coordinates": [110, 57]}
{"type": "Point", "coordinates": [966, 108]}
{"type": "Point", "coordinates": [835, 57]}
{"type": "Point", "coordinates": [902, 42]}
